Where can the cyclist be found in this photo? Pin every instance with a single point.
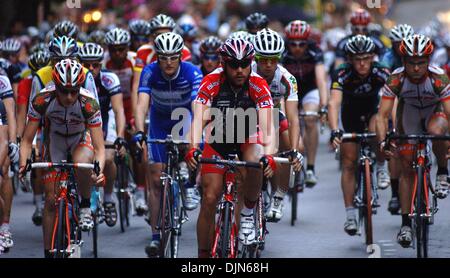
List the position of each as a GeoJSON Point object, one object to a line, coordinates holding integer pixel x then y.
{"type": "Point", "coordinates": [140, 33]}
{"type": "Point", "coordinates": [113, 119]}
{"type": "Point", "coordinates": [98, 37]}
{"type": "Point", "coordinates": [36, 61]}
{"type": "Point", "coordinates": [359, 21]}
{"type": "Point", "coordinates": [209, 54]}
{"type": "Point", "coordinates": [11, 48]}
{"type": "Point", "coordinates": [392, 59]}
{"type": "Point", "coordinates": [121, 61]}
{"type": "Point", "coordinates": [233, 85]}
{"type": "Point", "coordinates": [256, 22]}
{"type": "Point", "coordinates": [304, 60]}
{"type": "Point", "coordinates": [423, 92]}
{"type": "Point", "coordinates": [80, 136]}
{"type": "Point", "coordinates": [7, 97]}
{"type": "Point", "coordinates": [169, 84]}
{"type": "Point", "coordinates": [69, 29]}
{"type": "Point", "coordinates": [355, 92]}
{"type": "Point", "coordinates": [189, 32]}
{"type": "Point", "coordinates": [269, 47]}
{"type": "Point", "coordinates": [3, 155]}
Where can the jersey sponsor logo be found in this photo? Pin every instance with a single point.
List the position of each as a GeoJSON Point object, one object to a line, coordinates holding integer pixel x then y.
{"type": "Point", "coordinates": [107, 81]}
{"type": "Point", "coordinates": [265, 103]}
{"type": "Point", "coordinates": [212, 85]}
{"type": "Point", "coordinates": [3, 85]}
{"type": "Point", "coordinates": [255, 87]}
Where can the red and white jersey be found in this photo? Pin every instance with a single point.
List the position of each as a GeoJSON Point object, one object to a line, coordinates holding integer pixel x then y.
{"type": "Point", "coordinates": [146, 54]}
{"type": "Point", "coordinates": [124, 72]}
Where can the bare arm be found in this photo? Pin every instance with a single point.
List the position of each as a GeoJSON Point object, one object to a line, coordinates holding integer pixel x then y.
{"type": "Point", "coordinates": [21, 119]}
{"type": "Point", "coordinates": [11, 114]}
{"type": "Point", "coordinates": [117, 106]}
{"type": "Point", "coordinates": [27, 141]}
{"type": "Point", "coordinates": [141, 111]}
{"type": "Point", "coordinates": [321, 80]}
{"type": "Point", "coordinates": [99, 145]}
{"type": "Point", "coordinates": [294, 125]}
{"type": "Point", "coordinates": [334, 106]}
{"type": "Point", "coordinates": [382, 118]}
{"type": "Point", "coordinates": [201, 117]}
{"type": "Point", "coordinates": [265, 121]}
{"type": "Point", "coordinates": [3, 143]}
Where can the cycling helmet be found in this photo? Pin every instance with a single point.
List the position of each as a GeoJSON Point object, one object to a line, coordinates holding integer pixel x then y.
{"type": "Point", "coordinates": [360, 17]}
{"type": "Point", "coordinates": [39, 47]}
{"type": "Point", "coordinates": [117, 36]}
{"type": "Point", "coordinates": [169, 43]}
{"type": "Point", "coordinates": [401, 31]}
{"type": "Point", "coordinates": [242, 35]}
{"type": "Point", "coordinates": [97, 36]}
{"type": "Point", "coordinates": [256, 21]}
{"type": "Point", "coordinates": [68, 73]}
{"type": "Point", "coordinates": [11, 45]}
{"type": "Point", "coordinates": [139, 28]}
{"type": "Point", "coordinates": [66, 28]}
{"type": "Point", "coordinates": [416, 46]}
{"type": "Point", "coordinates": [268, 43]}
{"type": "Point", "coordinates": [187, 30]}
{"type": "Point", "coordinates": [63, 47]}
{"type": "Point", "coordinates": [162, 21]}
{"type": "Point", "coordinates": [359, 44]}
{"type": "Point", "coordinates": [210, 44]}
{"type": "Point", "coordinates": [38, 59]}
{"type": "Point", "coordinates": [237, 49]}
{"type": "Point", "coordinates": [91, 52]}
{"type": "Point", "coordinates": [297, 30]}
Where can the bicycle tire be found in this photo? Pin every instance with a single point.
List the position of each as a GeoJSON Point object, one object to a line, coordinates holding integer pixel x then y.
{"type": "Point", "coordinates": [95, 236]}
{"type": "Point", "coordinates": [164, 250]}
{"type": "Point", "coordinates": [368, 228]}
{"type": "Point", "coordinates": [61, 239]}
{"type": "Point", "coordinates": [421, 223]}
{"type": "Point", "coordinates": [176, 231]}
{"type": "Point", "coordinates": [294, 200]}
{"type": "Point", "coordinates": [120, 197]}
{"type": "Point", "coordinates": [225, 233]}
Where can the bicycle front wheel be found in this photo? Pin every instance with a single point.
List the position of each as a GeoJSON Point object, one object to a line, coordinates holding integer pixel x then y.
{"type": "Point", "coordinates": [60, 245]}
{"type": "Point", "coordinates": [421, 223]}
{"type": "Point", "coordinates": [368, 202]}
{"type": "Point", "coordinates": [165, 221]}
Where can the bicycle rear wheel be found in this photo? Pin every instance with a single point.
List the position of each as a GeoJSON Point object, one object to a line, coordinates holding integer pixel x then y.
{"type": "Point", "coordinates": [368, 203]}
{"type": "Point", "coordinates": [421, 224]}
{"type": "Point", "coordinates": [120, 185]}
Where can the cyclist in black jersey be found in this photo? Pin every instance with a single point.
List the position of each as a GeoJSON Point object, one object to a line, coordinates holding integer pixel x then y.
{"type": "Point", "coordinates": [355, 92]}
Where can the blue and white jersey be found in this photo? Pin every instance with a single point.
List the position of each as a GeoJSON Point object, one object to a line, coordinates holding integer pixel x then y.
{"type": "Point", "coordinates": [108, 85]}
{"type": "Point", "coordinates": [169, 94]}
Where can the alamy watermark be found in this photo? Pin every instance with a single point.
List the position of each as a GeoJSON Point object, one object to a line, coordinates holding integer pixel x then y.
{"type": "Point", "coordinates": [372, 4]}
{"type": "Point", "coordinates": [73, 4]}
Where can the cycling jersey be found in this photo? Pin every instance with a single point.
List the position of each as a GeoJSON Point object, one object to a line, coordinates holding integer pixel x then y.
{"type": "Point", "coordinates": [108, 85]}
{"type": "Point", "coordinates": [43, 78]}
{"type": "Point", "coordinates": [360, 96]}
{"type": "Point", "coordinates": [304, 69]}
{"type": "Point", "coordinates": [418, 103]}
{"type": "Point", "coordinates": [13, 71]}
{"type": "Point", "coordinates": [167, 95]}
{"type": "Point", "coordinates": [5, 88]}
{"type": "Point", "coordinates": [340, 48]}
{"type": "Point", "coordinates": [215, 91]}
{"type": "Point", "coordinates": [146, 54]}
{"type": "Point", "coordinates": [65, 127]}
{"type": "Point", "coordinates": [24, 91]}
{"type": "Point", "coordinates": [283, 85]}
{"type": "Point", "coordinates": [391, 60]}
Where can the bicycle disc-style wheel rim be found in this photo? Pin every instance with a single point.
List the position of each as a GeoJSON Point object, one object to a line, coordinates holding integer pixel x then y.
{"type": "Point", "coordinates": [368, 196]}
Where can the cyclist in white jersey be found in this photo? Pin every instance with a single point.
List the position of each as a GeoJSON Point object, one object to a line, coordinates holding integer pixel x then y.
{"type": "Point", "coordinates": [283, 87]}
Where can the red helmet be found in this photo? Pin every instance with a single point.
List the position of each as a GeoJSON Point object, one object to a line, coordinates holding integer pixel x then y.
{"type": "Point", "coordinates": [237, 49]}
{"type": "Point", "coordinates": [416, 46]}
{"type": "Point", "coordinates": [360, 17]}
{"type": "Point", "coordinates": [297, 30]}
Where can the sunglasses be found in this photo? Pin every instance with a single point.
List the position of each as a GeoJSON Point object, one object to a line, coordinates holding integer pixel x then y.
{"type": "Point", "coordinates": [172, 58]}
{"type": "Point", "coordinates": [210, 57]}
{"type": "Point", "coordinates": [235, 64]}
{"type": "Point", "coordinates": [297, 43]}
{"type": "Point", "coordinates": [361, 29]}
{"type": "Point", "coordinates": [93, 65]}
{"type": "Point", "coordinates": [117, 49]}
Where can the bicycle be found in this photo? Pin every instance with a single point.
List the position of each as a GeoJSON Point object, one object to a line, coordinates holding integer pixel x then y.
{"type": "Point", "coordinates": [366, 192]}
{"type": "Point", "coordinates": [66, 238]}
{"type": "Point", "coordinates": [172, 214]}
{"type": "Point", "coordinates": [124, 189]}
{"type": "Point", "coordinates": [421, 212]}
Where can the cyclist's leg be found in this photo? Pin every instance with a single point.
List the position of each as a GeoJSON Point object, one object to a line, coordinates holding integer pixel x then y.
{"type": "Point", "coordinates": [310, 103]}
{"type": "Point", "coordinates": [38, 189]}
{"type": "Point", "coordinates": [349, 154]}
{"type": "Point", "coordinates": [110, 172]}
{"type": "Point", "coordinates": [48, 219]}
{"type": "Point", "coordinates": [438, 125]}
{"type": "Point", "coordinates": [212, 186]}
{"type": "Point", "coordinates": [7, 196]}
{"type": "Point", "coordinates": [154, 184]}
{"type": "Point", "coordinates": [383, 179]}
{"type": "Point", "coordinates": [406, 156]}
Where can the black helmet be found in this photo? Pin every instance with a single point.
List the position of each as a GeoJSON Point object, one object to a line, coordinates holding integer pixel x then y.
{"type": "Point", "coordinates": [256, 21]}
{"type": "Point", "coordinates": [359, 44]}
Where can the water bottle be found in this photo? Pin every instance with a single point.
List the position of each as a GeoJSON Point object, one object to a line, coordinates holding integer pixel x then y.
{"type": "Point", "coordinates": [94, 198]}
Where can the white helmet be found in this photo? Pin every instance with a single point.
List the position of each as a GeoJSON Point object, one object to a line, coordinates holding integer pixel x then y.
{"type": "Point", "coordinates": [401, 31]}
{"type": "Point", "coordinates": [416, 46]}
{"type": "Point", "coordinates": [117, 36]}
{"type": "Point", "coordinates": [91, 52]}
{"type": "Point", "coordinates": [169, 43]}
{"type": "Point", "coordinates": [268, 42]}
{"type": "Point", "coordinates": [11, 45]}
{"type": "Point", "coordinates": [162, 21]}
{"type": "Point", "coordinates": [68, 73]}
{"type": "Point", "coordinates": [242, 35]}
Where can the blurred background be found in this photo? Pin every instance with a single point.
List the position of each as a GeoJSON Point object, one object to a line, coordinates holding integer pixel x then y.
{"type": "Point", "coordinates": [214, 16]}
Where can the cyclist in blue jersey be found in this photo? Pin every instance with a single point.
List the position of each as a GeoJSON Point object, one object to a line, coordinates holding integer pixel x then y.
{"type": "Point", "coordinates": [164, 86]}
